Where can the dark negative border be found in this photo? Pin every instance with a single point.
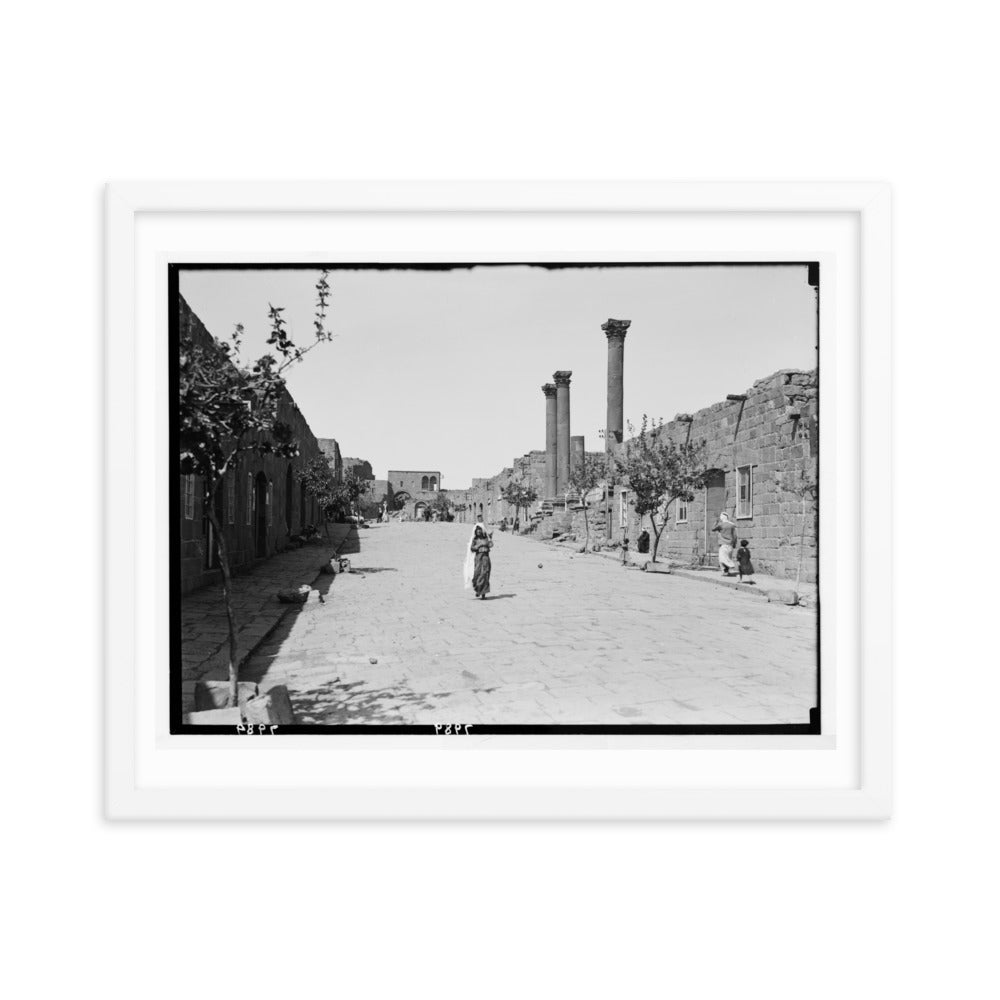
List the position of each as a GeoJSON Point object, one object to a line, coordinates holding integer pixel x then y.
{"type": "Point", "coordinates": [177, 725]}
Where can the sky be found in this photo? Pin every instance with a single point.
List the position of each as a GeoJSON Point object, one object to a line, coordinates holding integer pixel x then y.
{"type": "Point", "coordinates": [442, 370]}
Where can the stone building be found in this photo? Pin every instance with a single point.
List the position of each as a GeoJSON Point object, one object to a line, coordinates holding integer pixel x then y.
{"type": "Point", "coordinates": [259, 504]}
{"type": "Point", "coordinates": [331, 450]}
{"type": "Point", "coordinates": [759, 446]}
{"type": "Point", "coordinates": [414, 489]}
{"type": "Point", "coordinates": [359, 467]}
{"type": "Point", "coordinates": [375, 492]}
{"type": "Point", "coordinates": [484, 498]}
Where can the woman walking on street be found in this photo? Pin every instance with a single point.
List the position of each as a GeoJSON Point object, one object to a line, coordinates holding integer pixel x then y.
{"type": "Point", "coordinates": [477, 562]}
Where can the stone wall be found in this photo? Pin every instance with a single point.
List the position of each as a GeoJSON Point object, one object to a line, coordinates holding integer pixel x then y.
{"type": "Point", "coordinates": [361, 468]}
{"type": "Point", "coordinates": [260, 502]}
{"type": "Point", "coordinates": [483, 498]}
{"type": "Point", "coordinates": [331, 450]}
{"type": "Point", "coordinates": [774, 432]}
{"type": "Point", "coordinates": [421, 485]}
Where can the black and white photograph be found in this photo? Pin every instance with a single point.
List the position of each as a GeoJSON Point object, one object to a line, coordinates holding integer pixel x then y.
{"type": "Point", "coordinates": [495, 498]}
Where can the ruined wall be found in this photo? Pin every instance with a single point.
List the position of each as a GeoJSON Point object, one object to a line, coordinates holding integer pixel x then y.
{"type": "Point", "coordinates": [361, 468]}
{"type": "Point", "coordinates": [774, 432]}
{"type": "Point", "coordinates": [331, 450]}
{"type": "Point", "coordinates": [260, 502]}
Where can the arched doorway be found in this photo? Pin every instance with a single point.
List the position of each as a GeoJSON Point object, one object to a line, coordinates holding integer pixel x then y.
{"type": "Point", "coordinates": [715, 504]}
{"type": "Point", "coordinates": [302, 506]}
{"type": "Point", "coordinates": [260, 515]}
{"type": "Point", "coordinates": [418, 510]}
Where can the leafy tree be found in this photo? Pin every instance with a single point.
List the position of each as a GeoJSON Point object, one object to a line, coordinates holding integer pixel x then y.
{"type": "Point", "coordinates": [520, 496]}
{"type": "Point", "coordinates": [442, 505]}
{"type": "Point", "coordinates": [230, 408]}
{"type": "Point", "coordinates": [317, 479]}
{"type": "Point", "coordinates": [351, 491]}
{"type": "Point", "coordinates": [659, 471]}
{"type": "Point", "coordinates": [584, 477]}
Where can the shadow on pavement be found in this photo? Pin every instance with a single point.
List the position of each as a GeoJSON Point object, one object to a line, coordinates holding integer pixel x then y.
{"type": "Point", "coordinates": [352, 544]}
{"type": "Point", "coordinates": [335, 704]}
{"type": "Point", "coordinates": [498, 597]}
{"type": "Point", "coordinates": [256, 666]}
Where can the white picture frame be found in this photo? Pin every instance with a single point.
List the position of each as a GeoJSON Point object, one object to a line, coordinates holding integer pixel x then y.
{"type": "Point", "coordinates": [150, 775]}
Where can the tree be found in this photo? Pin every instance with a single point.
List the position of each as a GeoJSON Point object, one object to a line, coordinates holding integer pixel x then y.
{"type": "Point", "coordinates": [584, 477]}
{"type": "Point", "coordinates": [805, 486]}
{"type": "Point", "coordinates": [317, 479]}
{"type": "Point", "coordinates": [229, 408]}
{"type": "Point", "coordinates": [659, 471]}
{"type": "Point", "coordinates": [520, 496]}
{"type": "Point", "coordinates": [352, 490]}
{"type": "Point", "coordinates": [442, 505]}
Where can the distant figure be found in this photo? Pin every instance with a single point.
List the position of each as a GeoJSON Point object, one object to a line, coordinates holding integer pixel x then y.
{"type": "Point", "coordinates": [477, 567]}
{"type": "Point", "coordinates": [642, 542]}
{"type": "Point", "coordinates": [743, 561]}
{"type": "Point", "coordinates": [517, 525]}
{"type": "Point", "coordinates": [727, 539]}
{"type": "Point", "coordinates": [624, 550]}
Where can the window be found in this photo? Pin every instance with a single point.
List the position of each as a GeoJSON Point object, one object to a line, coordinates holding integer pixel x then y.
{"type": "Point", "coordinates": [434, 482]}
{"type": "Point", "coordinates": [423, 483]}
{"type": "Point", "coordinates": [231, 498]}
{"type": "Point", "coordinates": [744, 496]}
{"type": "Point", "coordinates": [682, 511]}
{"type": "Point", "coordinates": [189, 498]}
{"type": "Point", "coordinates": [249, 498]}
{"type": "Point", "coordinates": [623, 508]}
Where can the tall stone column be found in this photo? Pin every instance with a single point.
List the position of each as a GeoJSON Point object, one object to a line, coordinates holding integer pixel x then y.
{"type": "Point", "coordinates": [576, 452]}
{"type": "Point", "coordinates": [562, 431]}
{"type": "Point", "coordinates": [615, 330]}
{"type": "Point", "coordinates": [550, 440]}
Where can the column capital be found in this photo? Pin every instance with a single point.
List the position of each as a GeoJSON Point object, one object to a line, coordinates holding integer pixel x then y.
{"type": "Point", "coordinates": [616, 328]}
{"type": "Point", "coordinates": [562, 378]}
{"type": "Point", "coordinates": [549, 389]}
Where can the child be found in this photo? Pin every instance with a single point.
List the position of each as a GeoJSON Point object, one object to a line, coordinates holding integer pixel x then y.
{"type": "Point", "coordinates": [743, 563]}
{"type": "Point", "coordinates": [624, 550]}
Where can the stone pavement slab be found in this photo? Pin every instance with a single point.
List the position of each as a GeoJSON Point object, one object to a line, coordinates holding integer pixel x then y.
{"type": "Point", "coordinates": [564, 638]}
{"type": "Point", "coordinates": [204, 632]}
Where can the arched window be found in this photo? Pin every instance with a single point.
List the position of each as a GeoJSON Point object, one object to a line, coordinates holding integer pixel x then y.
{"type": "Point", "coordinates": [434, 482]}
{"type": "Point", "coordinates": [289, 486]}
{"type": "Point", "coordinates": [423, 483]}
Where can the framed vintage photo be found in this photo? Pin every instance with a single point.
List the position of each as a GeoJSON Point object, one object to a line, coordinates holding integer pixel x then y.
{"type": "Point", "coordinates": [498, 500]}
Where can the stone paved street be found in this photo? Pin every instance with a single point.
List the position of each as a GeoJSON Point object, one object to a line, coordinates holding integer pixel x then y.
{"type": "Point", "coordinates": [577, 640]}
{"type": "Point", "coordinates": [204, 631]}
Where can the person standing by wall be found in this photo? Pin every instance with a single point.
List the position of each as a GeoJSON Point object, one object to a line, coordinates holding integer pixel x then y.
{"type": "Point", "coordinates": [727, 539]}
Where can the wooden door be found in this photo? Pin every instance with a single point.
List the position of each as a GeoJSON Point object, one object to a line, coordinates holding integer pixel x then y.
{"type": "Point", "coordinates": [715, 504]}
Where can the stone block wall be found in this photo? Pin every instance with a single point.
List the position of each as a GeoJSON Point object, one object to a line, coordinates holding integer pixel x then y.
{"type": "Point", "coordinates": [331, 450]}
{"type": "Point", "coordinates": [260, 503]}
{"type": "Point", "coordinates": [775, 432]}
{"type": "Point", "coordinates": [360, 467]}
